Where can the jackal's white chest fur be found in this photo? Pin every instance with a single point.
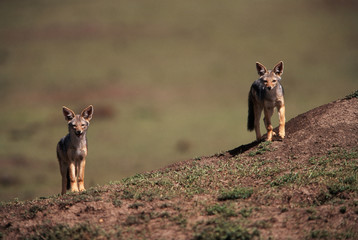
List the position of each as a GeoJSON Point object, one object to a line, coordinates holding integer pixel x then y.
{"type": "Point", "coordinates": [78, 149]}
{"type": "Point", "coordinates": [80, 153]}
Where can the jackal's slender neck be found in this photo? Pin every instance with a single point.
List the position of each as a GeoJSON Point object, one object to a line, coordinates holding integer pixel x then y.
{"type": "Point", "coordinates": [78, 141]}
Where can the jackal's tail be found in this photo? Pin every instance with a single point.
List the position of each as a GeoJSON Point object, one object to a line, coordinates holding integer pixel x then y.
{"type": "Point", "coordinates": [68, 186]}
{"type": "Point", "coordinates": [251, 116]}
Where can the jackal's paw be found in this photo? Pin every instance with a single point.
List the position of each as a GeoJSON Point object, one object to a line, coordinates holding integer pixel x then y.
{"type": "Point", "coordinates": [82, 189]}
{"type": "Point", "coordinates": [282, 135]}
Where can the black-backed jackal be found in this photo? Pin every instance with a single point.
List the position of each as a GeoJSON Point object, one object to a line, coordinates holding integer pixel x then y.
{"type": "Point", "coordinates": [72, 150]}
{"type": "Point", "coordinates": [266, 93]}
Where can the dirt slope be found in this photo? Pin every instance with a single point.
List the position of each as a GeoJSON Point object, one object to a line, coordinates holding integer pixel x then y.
{"type": "Point", "coordinates": [303, 187]}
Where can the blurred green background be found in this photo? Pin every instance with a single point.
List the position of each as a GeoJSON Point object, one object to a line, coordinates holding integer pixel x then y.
{"type": "Point", "coordinates": [168, 79]}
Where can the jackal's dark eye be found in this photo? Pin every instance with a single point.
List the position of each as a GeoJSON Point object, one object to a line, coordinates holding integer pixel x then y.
{"type": "Point", "coordinates": [274, 81]}
{"type": "Point", "coordinates": [82, 125]}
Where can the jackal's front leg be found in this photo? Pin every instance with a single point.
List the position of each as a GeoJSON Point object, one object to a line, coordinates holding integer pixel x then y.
{"type": "Point", "coordinates": [268, 111]}
{"type": "Point", "coordinates": [81, 175]}
{"type": "Point", "coordinates": [281, 114]}
{"type": "Point", "coordinates": [73, 177]}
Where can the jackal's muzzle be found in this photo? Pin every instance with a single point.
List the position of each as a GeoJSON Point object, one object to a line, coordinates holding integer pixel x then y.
{"type": "Point", "coordinates": [78, 133]}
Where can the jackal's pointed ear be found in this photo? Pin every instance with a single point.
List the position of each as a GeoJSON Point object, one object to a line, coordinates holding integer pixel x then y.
{"type": "Point", "coordinates": [87, 113]}
{"type": "Point", "coordinates": [68, 113]}
{"type": "Point", "coordinates": [278, 69]}
{"type": "Point", "coordinates": [261, 69]}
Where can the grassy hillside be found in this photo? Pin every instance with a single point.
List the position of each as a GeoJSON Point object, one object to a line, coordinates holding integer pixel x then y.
{"type": "Point", "coordinates": [168, 80]}
{"type": "Point", "coordinates": [304, 187]}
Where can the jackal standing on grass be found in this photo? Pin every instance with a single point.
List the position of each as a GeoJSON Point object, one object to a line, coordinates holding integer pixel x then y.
{"type": "Point", "coordinates": [72, 150]}
{"type": "Point", "coordinates": [266, 93]}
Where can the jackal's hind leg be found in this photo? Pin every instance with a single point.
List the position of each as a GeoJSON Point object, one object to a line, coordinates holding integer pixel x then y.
{"type": "Point", "coordinates": [281, 114]}
{"type": "Point", "coordinates": [63, 170]}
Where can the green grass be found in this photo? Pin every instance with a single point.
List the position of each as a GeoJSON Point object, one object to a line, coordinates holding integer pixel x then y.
{"type": "Point", "coordinates": [338, 169]}
{"type": "Point", "coordinates": [285, 179]}
{"type": "Point", "coordinates": [352, 95]}
{"type": "Point", "coordinates": [161, 75]}
{"type": "Point", "coordinates": [246, 212]}
{"type": "Point", "coordinates": [329, 234]}
{"type": "Point", "coordinates": [31, 213]}
{"type": "Point", "coordinates": [221, 209]}
{"type": "Point", "coordinates": [226, 207]}
{"type": "Point", "coordinates": [219, 229]}
{"type": "Point", "coordinates": [62, 231]}
{"type": "Point", "coordinates": [236, 193]}
{"type": "Point", "coordinates": [261, 149]}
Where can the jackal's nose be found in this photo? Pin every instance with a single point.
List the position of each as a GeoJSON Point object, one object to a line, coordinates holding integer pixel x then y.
{"type": "Point", "coordinates": [78, 132]}
{"type": "Point", "coordinates": [269, 88]}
